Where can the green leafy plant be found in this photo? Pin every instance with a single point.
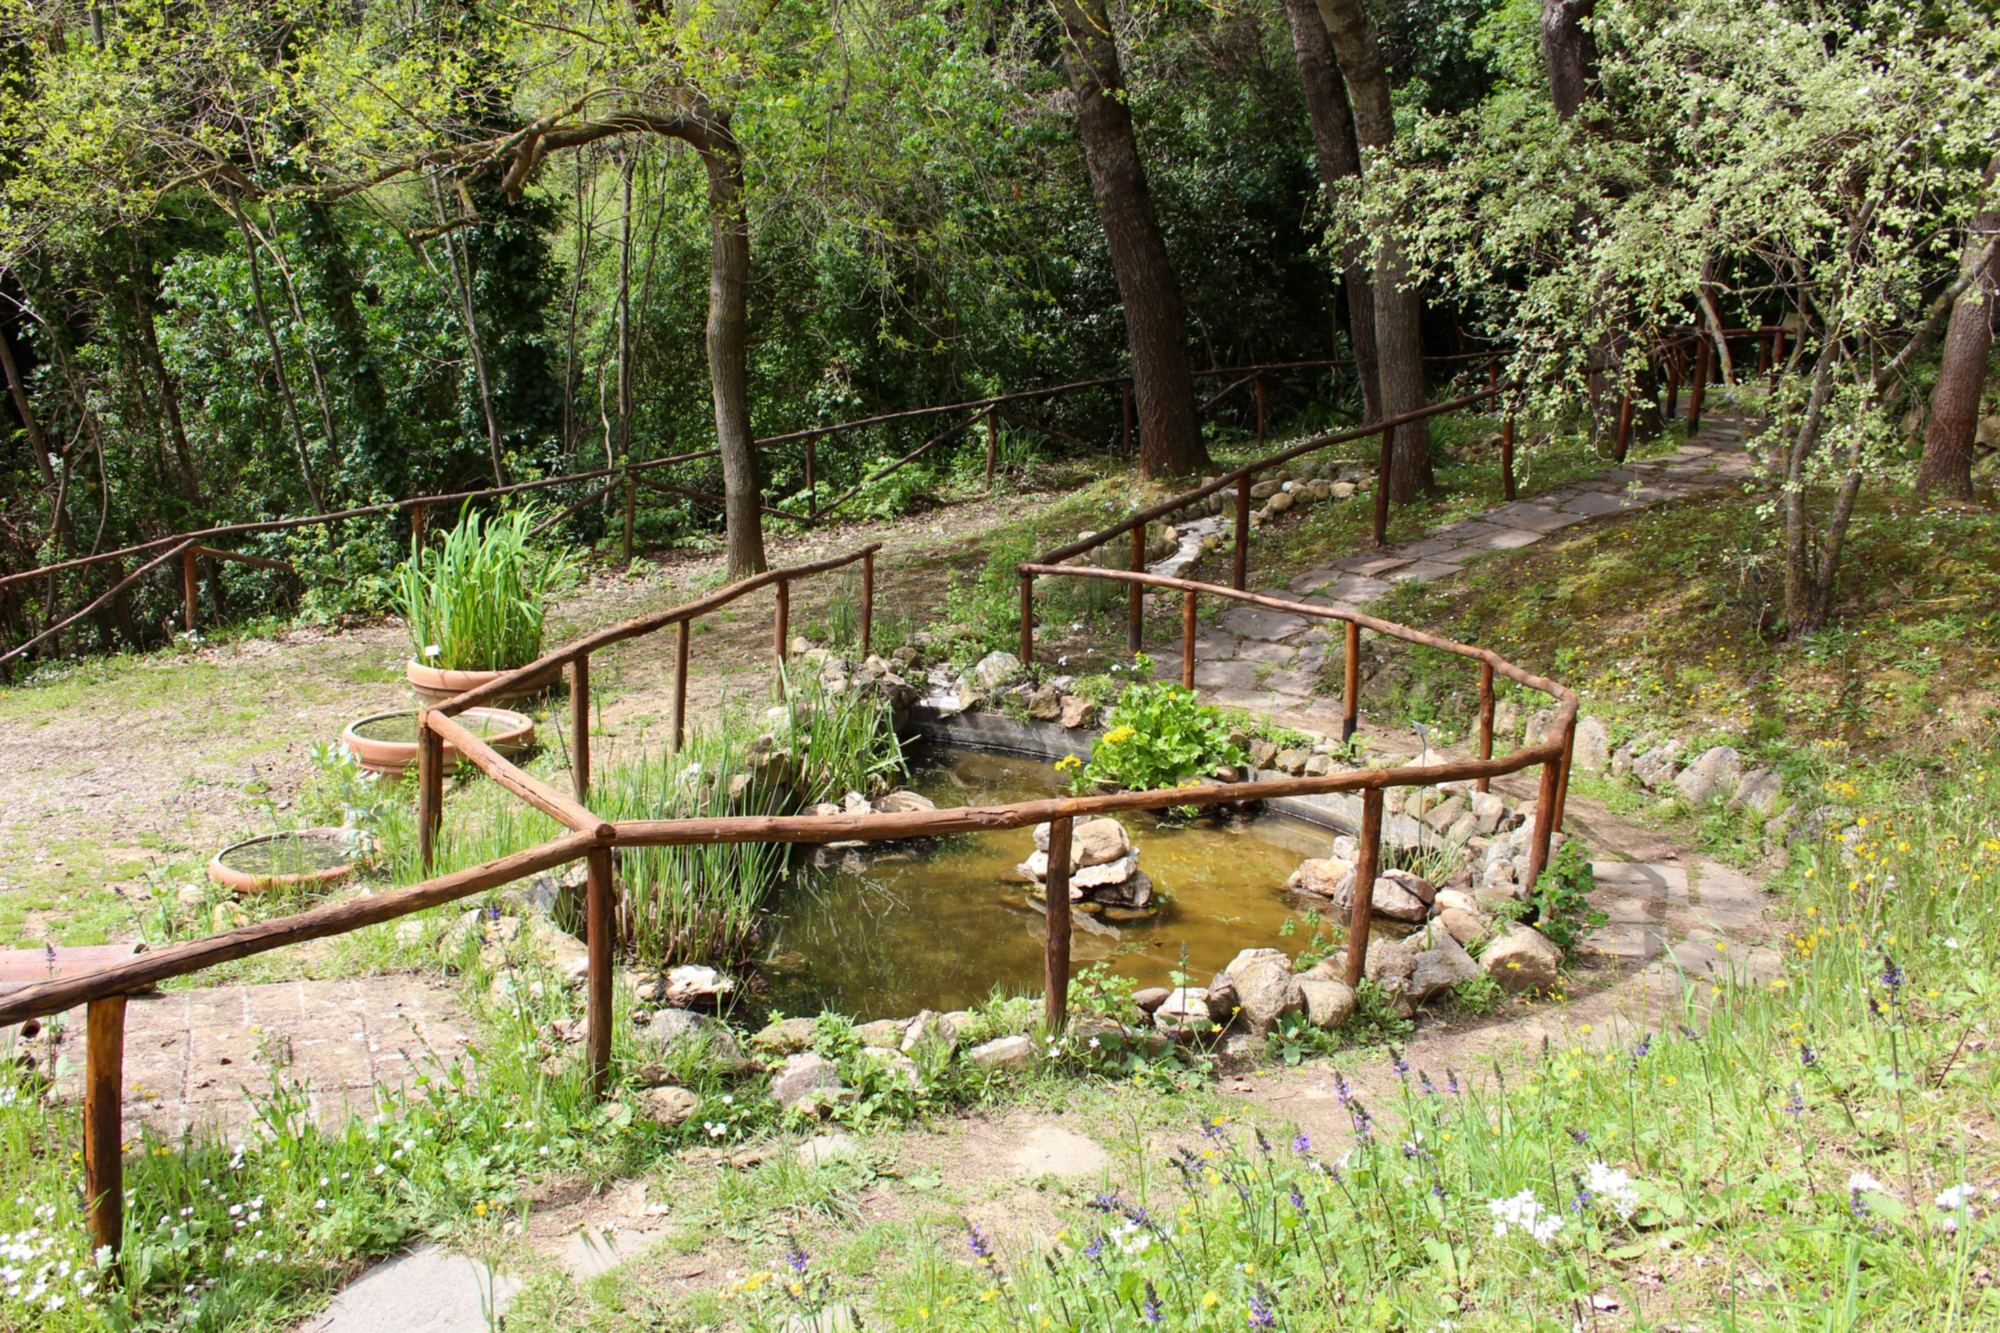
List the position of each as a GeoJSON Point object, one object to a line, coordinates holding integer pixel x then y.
{"type": "Point", "coordinates": [1562, 909]}
{"type": "Point", "coordinates": [1160, 735]}
{"type": "Point", "coordinates": [477, 601]}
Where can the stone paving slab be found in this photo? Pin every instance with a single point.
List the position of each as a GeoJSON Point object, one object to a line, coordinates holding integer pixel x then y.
{"type": "Point", "coordinates": [199, 1057]}
{"type": "Point", "coordinates": [428, 1290]}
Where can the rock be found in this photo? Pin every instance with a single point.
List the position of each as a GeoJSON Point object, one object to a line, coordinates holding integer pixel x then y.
{"type": "Point", "coordinates": [1717, 770]}
{"type": "Point", "coordinates": [669, 1106]}
{"type": "Point", "coordinates": [1395, 895]}
{"type": "Point", "coordinates": [1045, 704]}
{"type": "Point", "coordinates": [929, 1030]}
{"type": "Point", "coordinates": [565, 952]}
{"type": "Point", "coordinates": [1442, 816]}
{"type": "Point", "coordinates": [1077, 711]}
{"type": "Point", "coordinates": [672, 1031]}
{"type": "Point", "coordinates": [1621, 760]}
{"type": "Point", "coordinates": [1263, 754]}
{"type": "Point", "coordinates": [1264, 490]}
{"type": "Point", "coordinates": [1440, 966]}
{"type": "Point", "coordinates": [1265, 989]}
{"type": "Point", "coordinates": [695, 987]}
{"type": "Point", "coordinates": [996, 669]}
{"type": "Point", "coordinates": [1280, 502]}
{"type": "Point", "coordinates": [1292, 761]}
{"type": "Point", "coordinates": [1592, 749]}
{"type": "Point", "coordinates": [1342, 490]}
{"type": "Point", "coordinates": [1183, 1009]}
{"type": "Point", "coordinates": [1320, 876]}
{"type": "Point", "coordinates": [1130, 901]}
{"type": "Point", "coordinates": [1320, 489]}
{"type": "Point", "coordinates": [854, 803]}
{"type": "Point", "coordinates": [1110, 873]}
{"type": "Point", "coordinates": [1655, 768]}
{"type": "Point", "coordinates": [409, 934]}
{"type": "Point", "coordinates": [1223, 1001]}
{"type": "Point", "coordinates": [1497, 891]}
{"type": "Point", "coordinates": [1151, 998]}
{"type": "Point", "coordinates": [882, 1032]}
{"type": "Point", "coordinates": [1014, 1052]}
{"type": "Point", "coordinates": [1319, 766]}
{"type": "Point", "coordinates": [1329, 1002]}
{"type": "Point", "coordinates": [1463, 926]}
{"type": "Point", "coordinates": [1094, 842]}
{"type": "Point", "coordinates": [1506, 718]}
{"type": "Point", "coordinates": [899, 1064]}
{"type": "Point", "coordinates": [1758, 791]}
{"type": "Point", "coordinates": [1488, 810]}
{"type": "Point", "coordinates": [1521, 959]}
{"type": "Point", "coordinates": [785, 1037]}
{"type": "Point", "coordinates": [904, 803]}
{"type": "Point", "coordinates": [1388, 965]}
{"type": "Point", "coordinates": [805, 1076]}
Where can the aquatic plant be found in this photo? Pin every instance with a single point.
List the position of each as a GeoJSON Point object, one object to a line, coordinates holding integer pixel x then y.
{"type": "Point", "coordinates": [477, 601]}
{"type": "Point", "coordinates": [1159, 735]}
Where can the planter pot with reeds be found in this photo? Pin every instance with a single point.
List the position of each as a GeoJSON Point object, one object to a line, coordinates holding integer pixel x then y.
{"type": "Point", "coordinates": [387, 742]}
{"type": "Point", "coordinates": [295, 858]}
{"type": "Point", "coordinates": [475, 605]}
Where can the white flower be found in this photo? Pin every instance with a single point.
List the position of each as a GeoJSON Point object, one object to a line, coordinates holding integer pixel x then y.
{"type": "Point", "coordinates": [1614, 1187]}
{"type": "Point", "coordinates": [1863, 1183]}
{"type": "Point", "coordinates": [1524, 1212]}
{"type": "Point", "coordinates": [1958, 1196]}
{"type": "Point", "coordinates": [1095, 1043]}
{"type": "Point", "coordinates": [716, 1129]}
{"type": "Point", "coordinates": [1951, 942]}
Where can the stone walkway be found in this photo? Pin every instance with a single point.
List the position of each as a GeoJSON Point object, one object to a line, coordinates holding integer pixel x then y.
{"type": "Point", "coordinates": [1266, 661]}
{"type": "Point", "coordinates": [205, 1057]}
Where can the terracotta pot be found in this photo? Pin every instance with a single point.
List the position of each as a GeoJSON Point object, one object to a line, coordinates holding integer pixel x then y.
{"type": "Point", "coordinates": [245, 881]}
{"type": "Point", "coordinates": [508, 732]}
{"type": "Point", "coordinates": [435, 684]}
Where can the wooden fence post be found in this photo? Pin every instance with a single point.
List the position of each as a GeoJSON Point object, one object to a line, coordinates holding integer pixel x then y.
{"type": "Point", "coordinates": [812, 487]}
{"type": "Point", "coordinates": [1562, 782]}
{"type": "Point", "coordinates": [1507, 457]}
{"type": "Point", "coordinates": [579, 727]}
{"type": "Point", "coordinates": [1027, 619]}
{"type": "Point", "coordinates": [1624, 441]}
{"type": "Point", "coordinates": [1382, 487]}
{"type": "Point", "coordinates": [1187, 640]}
{"type": "Point", "coordinates": [680, 685]}
{"type": "Point", "coordinates": [992, 444]}
{"type": "Point", "coordinates": [1367, 865]}
{"type": "Point", "coordinates": [1674, 362]}
{"type": "Point", "coordinates": [1545, 814]}
{"type": "Point", "coordinates": [103, 1117]}
{"type": "Point", "coordinates": [784, 628]}
{"type": "Point", "coordinates": [191, 587]}
{"type": "Point", "coordinates": [1239, 570]}
{"type": "Point", "coordinates": [1698, 386]}
{"type": "Point", "coordinates": [1135, 596]}
{"type": "Point", "coordinates": [1350, 719]}
{"type": "Point", "coordinates": [597, 940]}
{"type": "Point", "coordinates": [1055, 958]}
{"type": "Point", "coordinates": [430, 789]}
{"type": "Point", "coordinates": [420, 517]}
{"type": "Point", "coordinates": [867, 600]}
{"type": "Point", "coordinates": [1485, 720]}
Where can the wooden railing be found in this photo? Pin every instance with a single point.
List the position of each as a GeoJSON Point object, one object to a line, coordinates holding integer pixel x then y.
{"type": "Point", "coordinates": [591, 838]}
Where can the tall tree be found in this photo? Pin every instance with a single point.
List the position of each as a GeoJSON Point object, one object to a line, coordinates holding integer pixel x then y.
{"type": "Point", "coordinates": [1946, 467]}
{"type": "Point", "coordinates": [1398, 307]}
{"type": "Point", "coordinates": [1339, 158]}
{"type": "Point", "coordinates": [1570, 53]}
{"type": "Point", "coordinates": [1170, 442]}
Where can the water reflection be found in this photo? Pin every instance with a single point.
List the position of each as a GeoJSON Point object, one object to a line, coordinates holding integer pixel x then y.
{"type": "Point", "coordinates": [933, 925]}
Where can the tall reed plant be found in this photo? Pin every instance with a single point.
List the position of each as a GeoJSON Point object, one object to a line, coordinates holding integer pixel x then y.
{"type": "Point", "coordinates": [478, 600]}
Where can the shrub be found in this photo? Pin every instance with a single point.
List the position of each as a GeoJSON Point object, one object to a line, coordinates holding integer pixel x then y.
{"type": "Point", "coordinates": [477, 601]}
{"type": "Point", "coordinates": [1160, 735]}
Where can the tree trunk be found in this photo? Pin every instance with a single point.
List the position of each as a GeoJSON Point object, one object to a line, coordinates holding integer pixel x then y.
{"type": "Point", "coordinates": [371, 428]}
{"type": "Point", "coordinates": [461, 279]}
{"type": "Point", "coordinates": [1170, 442]}
{"type": "Point", "coordinates": [728, 350]}
{"type": "Point", "coordinates": [1946, 467]}
{"type": "Point", "coordinates": [1802, 572]}
{"type": "Point", "coordinates": [624, 309]}
{"type": "Point", "coordinates": [1339, 156]}
{"type": "Point", "coordinates": [1569, 52]}
{"type": "Point", "coordinates": [1398, 308]}
{"type": "Point", "coordinates": [170, 399]}
{"type": "Point", "coordinates": [290, 401]}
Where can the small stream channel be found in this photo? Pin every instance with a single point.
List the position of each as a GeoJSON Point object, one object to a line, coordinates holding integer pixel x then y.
{"type": "Point", "coordinates": [932, 925]}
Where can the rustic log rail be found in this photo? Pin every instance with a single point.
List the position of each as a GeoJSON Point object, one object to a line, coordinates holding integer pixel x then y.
{"type": "Point", "coordinates": [591, 839]}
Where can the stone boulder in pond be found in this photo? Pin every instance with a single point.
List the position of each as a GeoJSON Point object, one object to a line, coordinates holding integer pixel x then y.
{"type": "Point", "coordinates": [1266, 990]}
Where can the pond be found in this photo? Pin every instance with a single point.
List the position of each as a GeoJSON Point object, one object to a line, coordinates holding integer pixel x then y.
{"type": "Point", "coordinates": [934, 925]}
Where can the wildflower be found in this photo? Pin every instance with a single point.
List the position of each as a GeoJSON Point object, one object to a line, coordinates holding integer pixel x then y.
{"type": "Point", "coordinates": [1958, 1196]}
{"type": "Point", "coordinates": [1892, 975]}
{"type": "Point", "coordinates": [1094, 1249]}
{"type": "Point", "coordinates": [1303, 1143]}
{"type": "Point", "coordinates": [1298, 1199]}
{"type": "Point", "coordinates": [716, 1129]}
{"type": "Point", "coordinates": [1397, 1062]}
{"type": "Point", "coordinates": [976, 1241]}
{"type": "Point", "coordinates": [1579, 1137]}
{"type": "Point", "coordinates": [1807, 1056]}
{"type": "Point", "coordinates": [1149, 1309]}
{"type": "Point", "coordinates": [1524, 1212]}
{"type": "Point", "coordinates": [1451, 1082]}
{"type": "Point", "coordinates": [1951, 942]}
{"type": "Point", "coordinates": [1424, 1082]}
{"type": "Point", "coordinates": [1340, 1090]}
{"type": "Point", "coordinates": [1261, 1313]}
{"type": "Point", "coordinates": [1796, 1106]}
{"type": "Point", "coordinates": [1614, 1186]}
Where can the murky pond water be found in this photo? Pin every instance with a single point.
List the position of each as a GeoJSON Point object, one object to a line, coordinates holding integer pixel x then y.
{"type": "Point", "coordinates": [934, 925]}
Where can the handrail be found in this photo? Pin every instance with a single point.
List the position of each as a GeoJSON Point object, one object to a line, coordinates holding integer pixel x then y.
{"type": "Point", "coordinates": [105, 990]}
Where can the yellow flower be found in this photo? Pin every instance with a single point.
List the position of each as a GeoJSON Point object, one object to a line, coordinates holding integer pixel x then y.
{"type": "Point", "coordinates": [1209, 1299]}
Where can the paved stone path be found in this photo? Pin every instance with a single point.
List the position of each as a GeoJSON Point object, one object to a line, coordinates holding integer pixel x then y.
{"type": "Point", "coordinates": [1265, 661]}
{"type": "Point", "coordinates": [191, 1056]}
